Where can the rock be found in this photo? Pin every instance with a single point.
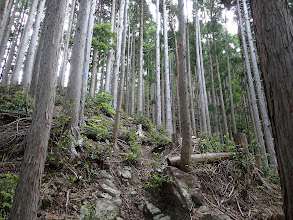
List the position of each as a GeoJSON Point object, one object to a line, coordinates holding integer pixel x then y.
{"type": "Point", "coordinates": [84, 211]}
{"type": "Point", "coordinates": [104, 174]}
{"type": "Point", "coordinates": [184, 193]}
{"type": "Point", "coordinates": [105, 209]}
{"type": "Point", "coordinates": [150, 210]}
{"type": "Point", "coordinates": [117, 201]}
{"type": "Point", "coordinates": [158, 217]}
{"type": "Point", "coordinates": [107, 186]}
{"type": "Point", "coordinates": [126, 172]}
{"type": "Point", "coordinates": [140, 207]}
{"type": "Point", "coordinates": [203, 209]}
{"type": "Point", "coordinates": [213, 216]}
{"type": "Point", "coordinates": [165, 218]}
{"type": "Point", "coordinates": [118, 218]}
{"type": "Point", "coordinates": [133, 193]}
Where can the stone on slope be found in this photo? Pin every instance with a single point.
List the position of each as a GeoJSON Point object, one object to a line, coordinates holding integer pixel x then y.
{"type": "Point", "coordinates": [184, 191]}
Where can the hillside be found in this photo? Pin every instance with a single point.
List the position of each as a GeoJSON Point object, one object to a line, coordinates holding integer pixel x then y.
{"type": "Point", "coordinates": [89, 177]}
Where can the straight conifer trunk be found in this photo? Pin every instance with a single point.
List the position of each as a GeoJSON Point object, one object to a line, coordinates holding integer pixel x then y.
{"type": "Point", "coordinates": [140, 62]}
{"type": "Point", "coordinates": [252, 92]}
{"type": "Point", "coordinates": [261, 97]}
{"type": "Point", "coordinates": [111, 52]}
{"type": "Point", "coordinates": [167, 75]}
{"type": "Point", "coordinates": [23, 43]}
{"type": "Point", "coordinates": [158, 78]}
{"type": "Point", "coordinates": [274, 36]}
{"type": "Point", "coordinates": [25, 202]}
{"type": "Point", "coordinates": [183, 92]}
{"type": "Point", "coordinates": [76, 66]}
{"type": "Point", "coordinates": [61, 77]}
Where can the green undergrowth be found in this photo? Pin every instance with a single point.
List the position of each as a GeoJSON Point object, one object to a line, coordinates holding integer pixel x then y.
{"type": "Point", "coordinates": [156, 181]}
{"type": "Point", "coordinates": [7, 190]}
{"type": "Point", "coordinates": [134, 153]}
{"type": "Point", "coordinates": [99, 103]}
{"type": "Point", "coordinates": [99, 128]}
{"type": "Point", "coordinates": [159, 137]}
{"type": "Point", "coordinates": [212, 143]}
{"type": "Point", "coordinates": [16, 101]}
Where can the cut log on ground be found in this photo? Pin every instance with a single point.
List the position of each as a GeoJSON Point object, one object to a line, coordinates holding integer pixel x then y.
{"type": "Point", "coordinates": [200, 158]}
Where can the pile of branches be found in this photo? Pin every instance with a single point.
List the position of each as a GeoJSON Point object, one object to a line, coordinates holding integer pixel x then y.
{"type": "Point", "coordinates": [238, 190]}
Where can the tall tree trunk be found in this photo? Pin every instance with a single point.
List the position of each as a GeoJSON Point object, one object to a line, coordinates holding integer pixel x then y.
{"type": "Point", "coordinates": [76, 66]}
{"type": "Point", "coordinates": [184, 102]}
{"type": "Point", "coordinates": [5, 30]}
{"type": "Point", "coordinates": [23, 43]}
{"type": "Point", "coordinates": [5, 76]}
{"type": "Point", "coordinates": [61, 77]}
{"type": "Point", "coordinates": [203, 79]}
{"type": "Point", "coordinates": [93, 86]}
{"type": "Point", "coordinates": [230, 82]}
{"type": "Point", "coordinates": [190, 84]}
{"type": "Point", "coordinates": [87, 55]}
{"type": "Point", "coordinates": [252, 92]}
{"type": "Point", "coordinates": [274, 35]}
{"type": "Point", "coordinates": [118, 52]}
{"type": "Point", "coordinates": [167, 75]}
{"type": "Point", "coordinates": [260, 94]}
{"type": "Point", "coordinates": [163, 114]}
{"type": "Point", "coordinates": [158, 78]}
{"type": "Point", "coordinates": [28, 69]}
{"type": "Point", "coordinates": [25, 202]}
{"type": "Point", "coordinates": [128, 68]}
{"type": "Point", "coordinates": [133, 76]}
{"type": "Point", "coordinates": [111, 52]}
{"type": "Point", "coordinates": [140, 62]}
{"type": "Point", "coordinates": [121, 85]}
{"type": "Point", "coordinates": [4, 9]}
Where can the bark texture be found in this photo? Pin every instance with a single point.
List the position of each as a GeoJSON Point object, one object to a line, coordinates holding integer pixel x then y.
{"type": "Point", "coordinates": [28, 187]}
{"type": "Point", "coordinates": [274, 35]}
{"type": "Point", "coordinates": [183, 93]}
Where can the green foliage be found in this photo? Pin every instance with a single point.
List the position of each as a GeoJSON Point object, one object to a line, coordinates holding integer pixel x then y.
{"type": "Point", "coordinates": [7, 189]}
{"type": "Point", "coordinates": [157, 163]}
{"type": "Point", "coordinates": [131, 138]}
{"type": "Point", "coordinates": [156, 181]}
{"type": "Point", "coordinates": [145, 122]}
{"type": "Point", "coordinates": [18, 101]}
{"type": "Point", "coordinates": [102, 102]}
{"type": "Point", "coordinates": [271, 174]}
{"type": "Point", "coordinates": [159, 138]}
{"type": "Point", "coordinates": [101, 36]}
{"type": "Point", "coordinates": [99, 129]}
{"type": "Point", "coordinates": [91, 212]}
{"type": "Point", "coordinates": [211, 143]}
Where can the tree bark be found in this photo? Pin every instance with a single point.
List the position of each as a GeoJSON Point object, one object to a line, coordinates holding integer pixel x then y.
{"type": "Point", "coordinates": [61, 77]}
{"type": "Point", "coordinates": [158, 78]}
{"type": "Point", "coordinates": [28, 69]}
{"type": "Point", "coordinates": [94, 73]}
{"type": "Point", "coordinates": [111, 52]}
{"type": "Point", "coordinates": [252, 92]}
{"type": "Point", "coordinates": [140, 61]}
{"type": "Point", "coordinates": [200, 158]}
{"type": "Point", "coordinates": [76, 66]}
{"type": "Point", "coordinates": [87, 55]}
{"type": "Point", "coordinates": [23, 43]}
{"type": "Point", "coordinates": [261, 97]}
{"type": "Point", "coordinates": [25, 202]}
{"type": "Point", "coordinates": [183, 91]}
{"type": "Point", "coordinates": [167, 74]}
{"type": "Point", "coordinates": [4, 10]}
{"type": "Point", "coordinates": [118, 52]}
{"type": "Point", "coordinates": [274, 35]}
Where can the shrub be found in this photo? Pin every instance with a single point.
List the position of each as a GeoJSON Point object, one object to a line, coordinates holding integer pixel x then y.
{"type": "Point", "coordinates": [156, 181]}
{"type": "Point", "coordinates": [145, 122]}
{"type": "Point", "coordinates": [99, 129]}
{"type": "Point", "coordinates": [7, 189]}
{"type": "Point", "coordinates": [158, 138]}
{"type": "Point", "coordinates": [17, 101]}
{"type": "Point", "coordinates": [102, 102]}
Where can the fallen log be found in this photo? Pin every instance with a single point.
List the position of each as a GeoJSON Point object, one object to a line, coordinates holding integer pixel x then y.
{"type": "Point", "coordinates": [200, 158]}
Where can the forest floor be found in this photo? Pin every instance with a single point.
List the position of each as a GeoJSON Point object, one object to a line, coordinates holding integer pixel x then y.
{"type": "Point", "coordinates": [232, 187]}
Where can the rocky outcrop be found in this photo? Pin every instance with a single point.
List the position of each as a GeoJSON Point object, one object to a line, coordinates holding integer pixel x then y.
{"type": "Point", "coordinates": [184, 191]}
